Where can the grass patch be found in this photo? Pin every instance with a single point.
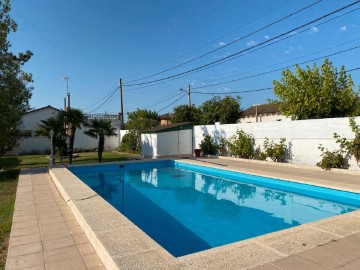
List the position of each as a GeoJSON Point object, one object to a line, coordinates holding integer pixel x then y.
{"type": "Point", "coordinates": [38, 161]}
{"type": "Point", "coordinates": [8, 184]}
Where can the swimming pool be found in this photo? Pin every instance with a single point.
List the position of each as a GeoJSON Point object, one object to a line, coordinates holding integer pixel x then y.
{"type": "Point", "coordinates": [188, 208]}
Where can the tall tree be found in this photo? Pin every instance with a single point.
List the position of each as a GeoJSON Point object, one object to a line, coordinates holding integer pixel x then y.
{"type": "Point", "coordinates": [14, 83]}
{"type": "Point", "coordinates": [142, 119]}
{"type": "Point", "coordinates": [99, 128]}
{"type": "Point", "coordinates": [139, 120]}
{"type": "Point", "coordinates": [73, 119]}
{"type": "Point", "coordinates": [225, 110]}
{"type": "Point", "coordinates": [317, 92]}
{"type": "Point", "coordinates": [184, 113]}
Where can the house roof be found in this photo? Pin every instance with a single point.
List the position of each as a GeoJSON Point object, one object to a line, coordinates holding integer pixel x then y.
{"type": "Point", "coordinates": [42, 108]}
{"type": "Point", "coordinates": [165, 116]}
{"type": "Point", "coordinates": [167, 128]}
{"type": "Point", "coordinates": [261, 109]}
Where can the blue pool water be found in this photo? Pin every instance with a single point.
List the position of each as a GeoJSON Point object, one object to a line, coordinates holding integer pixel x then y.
{"type": "Point", "coordinates": [188, 208]}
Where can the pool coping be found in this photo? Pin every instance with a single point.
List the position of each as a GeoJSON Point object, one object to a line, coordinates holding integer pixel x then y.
{"type": "Point", "coordinates": [121, 244]}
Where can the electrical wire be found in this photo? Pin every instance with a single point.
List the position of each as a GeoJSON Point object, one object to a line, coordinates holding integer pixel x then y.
{"type": "Point", "coordinates": [158, 103]}
{"type": "Point", "coordinates": [278, 69]}
{"type": "Point", "coordinates": [276, 41]}
{"type": "Point", "coordinates": [212, 41]}
{"type": "Point", "coordinates": [245, 50]}
{"type": "Point", "coordinates": [230, 43]}
{"type": "Point", "coordinates": [289, 60]}
{"type": "Point", "coordinates": [249, 91]}
{"type": "Point", "coordinates": [102, 104]}
{"type": "Point", "coordinates": [172, 103]}
{"type": "Point", "coordinates": [97, 102]}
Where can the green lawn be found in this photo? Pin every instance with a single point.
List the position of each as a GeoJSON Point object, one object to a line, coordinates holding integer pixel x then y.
{"type": "Point", "coordinates": [8, 184]}
{"type": "Point", "coordinates": [36, 161]}
{"type": "Point", "coordinates": [9, 172]}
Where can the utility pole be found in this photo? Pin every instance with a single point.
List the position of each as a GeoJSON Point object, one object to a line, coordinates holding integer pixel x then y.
{"type": "Point", "coordinates": [121, 106]}
{"type": "Point", "coordinates": [189, 99]}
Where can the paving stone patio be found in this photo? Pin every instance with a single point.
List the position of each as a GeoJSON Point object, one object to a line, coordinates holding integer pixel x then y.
{"type": "Point", "coordinates": [45, 234]}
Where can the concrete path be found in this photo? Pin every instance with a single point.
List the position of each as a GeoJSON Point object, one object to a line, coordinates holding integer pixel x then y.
{"type": "Point", "coordinates": [44, 233]}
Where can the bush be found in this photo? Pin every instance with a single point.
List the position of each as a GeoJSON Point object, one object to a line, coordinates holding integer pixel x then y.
{"type": "Point", "coordinates": [334, 159]}
{"type": "Point", "coordinates": [131, 142]}
{"type": "Point", "coordinates": [208, 146]}
{"type": "Point", "coordinates": [275, 151]}
{"type": "Point", "coordinates": [259, 155]}
{"type": "Point", "coordinates": [355, 144]}
{"type": "Point", "coordinates": [339, 158]}
{"type": "Point", "coordinates": [241, 144]}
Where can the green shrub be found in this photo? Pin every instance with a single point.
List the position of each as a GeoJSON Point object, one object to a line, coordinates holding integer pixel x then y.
{"type": "Point", "coordinates": [259, 155]}
{"type": "Point", "coordinates": [355, 144]}
{"type": "Point", "coordinates": [241, 144]}
{"type": "Point", "coordinates": [275, 151]}
{"type": "Point", "coordinates": [332, 159]}
{"type": "Point", "coordinates": [208, 146]}
{"type": "Point", "coordinates": [339, 158]}
{"type": "Point", "coordinates": [131, 142]}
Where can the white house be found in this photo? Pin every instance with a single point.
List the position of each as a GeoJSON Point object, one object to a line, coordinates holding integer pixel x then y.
{"type": "Point", "coordinates": [36, 144]}
{"type": "Point", "coordinates": [30, 120]}
{"type": "Point", "coordinates": [262, 113]}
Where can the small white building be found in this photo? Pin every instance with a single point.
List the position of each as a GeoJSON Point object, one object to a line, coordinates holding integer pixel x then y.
{"type": "Point", "coordinates": [262, 113]}
{"type": "Point", "coordinates": [170, 140]}
{"type": "Point", "coordinates": [34, 144]}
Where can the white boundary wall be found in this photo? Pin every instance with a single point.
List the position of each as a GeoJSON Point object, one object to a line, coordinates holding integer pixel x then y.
{"type": "Point", "coordinates": [302, 137]}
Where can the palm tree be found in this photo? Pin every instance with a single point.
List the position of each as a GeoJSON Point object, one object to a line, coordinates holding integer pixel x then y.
{"type": "Point", "coordinates": [57, 127]}
{"type": "Point", "coordinates": [72, 119]}
{"type": "Point", "coordinates": [99, 128]}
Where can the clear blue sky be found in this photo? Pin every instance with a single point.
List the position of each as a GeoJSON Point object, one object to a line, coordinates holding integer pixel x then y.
{"type": "Point", "coordinates": [95, 43]}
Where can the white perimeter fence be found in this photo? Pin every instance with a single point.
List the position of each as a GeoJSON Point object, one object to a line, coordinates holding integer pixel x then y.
{"type": "Point", "coordinates": [302, 137]}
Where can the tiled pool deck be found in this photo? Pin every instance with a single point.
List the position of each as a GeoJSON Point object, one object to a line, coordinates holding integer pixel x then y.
{"type": "Point", "coordinates": [46, 232]}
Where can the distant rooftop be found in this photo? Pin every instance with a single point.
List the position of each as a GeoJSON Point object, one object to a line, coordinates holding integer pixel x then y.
{"type": "Point", "coordinates": [261, 109]}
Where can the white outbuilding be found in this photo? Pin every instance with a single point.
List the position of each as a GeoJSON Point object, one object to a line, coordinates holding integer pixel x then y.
{"type": "Point", "coordinates": [170, 140]}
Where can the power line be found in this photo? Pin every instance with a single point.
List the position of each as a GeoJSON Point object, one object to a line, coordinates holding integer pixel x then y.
{"type": "Point", "coordinates": [171, 103]}
{"type": "Point", "coordinates": [158, 103]}
{"type": "Point", "coordinates": [97, 102]}
{"type": "Point", "coordinates": [274, 70]}
{"type": "Point", "coordinates": [249, 91]}
{"type": "Point", "coordinates": [214, 40]}
{"type": "Point", "coordinates": [292, 59]}
{"type": "Point", "coordinates": [253, 50]}
{"type": "Point", "coordinates": [102, 104]}
{"type": "Point", "coordinates": [231, 92]}
{"type": "Point", "coordinates": [231, 43]}
{"type": "Point", "coordinates": [245, 50]}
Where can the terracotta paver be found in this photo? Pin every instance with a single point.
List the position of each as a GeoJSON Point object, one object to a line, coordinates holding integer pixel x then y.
{"type": "Point", "coordinates": [45, 234]}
